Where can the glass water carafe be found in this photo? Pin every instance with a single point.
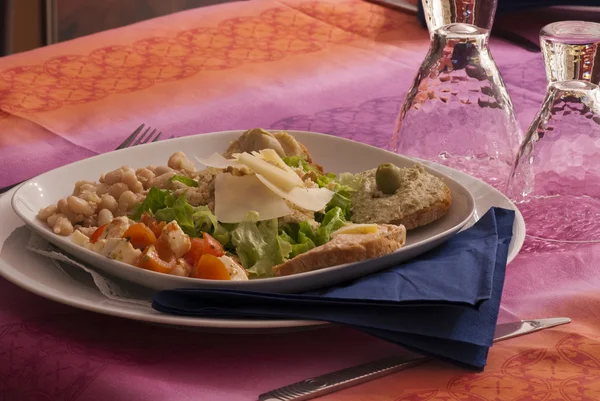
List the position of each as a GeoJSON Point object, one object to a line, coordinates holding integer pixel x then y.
{"type": "Point", "coordinates": [458, 111]}
{"type": "Point", "coordinates": [556, 178]}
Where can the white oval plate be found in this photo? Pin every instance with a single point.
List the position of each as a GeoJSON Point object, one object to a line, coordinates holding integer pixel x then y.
{"type": "Point", "coordinates": [38, 275]}
{"type": "Point", "coordinates": [335, 154]}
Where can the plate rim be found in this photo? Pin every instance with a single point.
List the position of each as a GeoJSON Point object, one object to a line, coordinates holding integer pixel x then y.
{"type": "Point", "coordinates": [228, 324]}
{"type": "Point", "coordinates": [68, 246]}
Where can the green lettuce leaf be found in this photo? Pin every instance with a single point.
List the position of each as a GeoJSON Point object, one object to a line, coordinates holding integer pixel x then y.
{"type": "Point", "coordinates": [180, 211]}
{"type": "Point", "coordinates": [205, 221]}
{"type": "Point", "coordinates": [299, 161]}
{"type": "Point", "coordinates": [343, 186]}
{"type": "Point", "coordinates": [259, 246]}
{"type": "Point", "coordinates": [154, 201]}
{"type": "Point", "coordinates": [287, 238]}
{"type": "Point", "coordinates": [332, 221]}
{"type": "Point", "coordinates": [300, 236]}
{"type": "Point", "coordinates": [352, 182]}
{"type": "Point", "coordinates": [342, 202]}
{"type": "Point", "coordinates": [185, 180]}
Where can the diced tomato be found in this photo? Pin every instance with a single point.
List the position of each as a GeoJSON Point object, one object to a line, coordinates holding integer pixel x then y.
{"type": "Point", "coordinates": [140, 236]}
{"type": "Point", "coordinates": [164, 252]}
{"type": "Point", "coordinates": [151, 260]}
{"type": "Point", "coordinates": [210, 267]}
{"type": "Point", "coordinates": [96, 234]}
{"type": "Point", "coordinates": [193, 255]}
{"type": "Point", "coordinates": [211, 246]}
{"type": "Point", "coordinates": [203, 246]}
{"type": "Point", "coordinates": [153, 224]}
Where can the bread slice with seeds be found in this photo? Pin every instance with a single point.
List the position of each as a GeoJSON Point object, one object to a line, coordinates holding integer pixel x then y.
{"type": "Point", "coordinates": [420, 199]}
{"type": "Point", "coordinates": [346, 248]}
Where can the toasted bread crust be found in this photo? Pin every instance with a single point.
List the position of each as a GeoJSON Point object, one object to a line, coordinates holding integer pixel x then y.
{"type": "Point", "coordinates": [346, 248]}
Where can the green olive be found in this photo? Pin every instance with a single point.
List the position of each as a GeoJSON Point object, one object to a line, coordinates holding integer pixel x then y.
{"type": "Point", "coordinates": [388, 178]}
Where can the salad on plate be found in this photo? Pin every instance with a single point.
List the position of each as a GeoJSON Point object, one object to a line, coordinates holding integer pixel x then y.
{"type": "Point", "coordinates": [263, 208]}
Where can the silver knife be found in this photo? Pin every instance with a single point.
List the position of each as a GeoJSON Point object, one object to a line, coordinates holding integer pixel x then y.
{"type": "Point", "coordinates": [332, 382]}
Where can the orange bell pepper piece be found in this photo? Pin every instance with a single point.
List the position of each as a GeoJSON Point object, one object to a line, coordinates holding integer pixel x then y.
{"type": "Point", "coordinates": [150, 260]}
{"type": "Point", "coordinates": [140, 236]}
{"type": "Point", "coordinates": [210, 267]}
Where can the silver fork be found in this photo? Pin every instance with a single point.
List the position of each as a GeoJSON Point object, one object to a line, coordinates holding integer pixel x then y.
{"type": "Point", "coordinates": [134, 139]}
{"type": "Point", "coordinates": [130, 141]}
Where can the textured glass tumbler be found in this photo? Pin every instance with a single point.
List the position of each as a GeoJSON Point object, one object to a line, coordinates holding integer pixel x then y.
{"type": "Point", "coordinates": [556, 178]}
{"type": "Point", "coordinates": [458, 111]}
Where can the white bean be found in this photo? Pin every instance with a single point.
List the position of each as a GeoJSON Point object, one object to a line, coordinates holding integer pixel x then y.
{"type": "Point", "coordinates": [90, 196]}
{"type": "Point", "coordinates": [79, 186]}
{"type": "Point", "coordinates": [127, 169]}
{"type": "Point", "coordinates": [117, 189]}
{"type": "Point", "coordinates": [63, 207]}
{"type": "Point", "coordinates": [88, 187]}
{"type": "Point", "coordinates": [63, 226]}
{"type": "Point", "coordinates": [144, 176]}
{"type": "Point", "coordinates": [137, 188]}
{"type": "Point", "coordinates": [129, 179]}
{"type": "Point", "coordinates": [46, 212]}
{"type": "Point", "coordinates": [51, 220]}
{"type": "Point", "coordinates": [109, 202]}
{"type": "Point", "coordinates": [162, 181]}
{"type": "Point", "coordinates": [105, 216]}
{"type": "Point", "coordinates": [90, 221]}
{"type": "Point", "coordinates": [132, 182]}
{"type": "Point", "coordinates": [160, 170]}
{"type": "Point", "coordinates": [126, 200]}
{"type": "Point", "coordinates": [179, 161]}
{"type": "Point", "coordinates": [81, 206]}
{"type": "Point", "coordinates": [113, 177]}
{"type": "Point", "coordinates": [102, 189]}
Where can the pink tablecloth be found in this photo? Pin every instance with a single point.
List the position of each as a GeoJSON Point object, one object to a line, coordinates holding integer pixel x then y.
{"type": "Point", "coordinates": [333, 66]}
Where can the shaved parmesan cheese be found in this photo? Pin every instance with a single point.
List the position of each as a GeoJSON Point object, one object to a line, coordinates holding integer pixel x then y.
{"type": "Point", "coordinates": [356, 229]}
{"type": "Point", "coordinates": [279, 177]}
{"type": "Point", "coordinates": [271, 156]}
{"type": "Point", "coordinates": [313, 199]}
{"type": "Point", "coordinates": [217, 161]}
{"type": "Point", "coordinates": [236, 196]}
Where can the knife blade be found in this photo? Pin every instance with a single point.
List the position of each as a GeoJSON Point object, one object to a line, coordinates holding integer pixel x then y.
{"type": "Point", "coordinates": [335, 381]}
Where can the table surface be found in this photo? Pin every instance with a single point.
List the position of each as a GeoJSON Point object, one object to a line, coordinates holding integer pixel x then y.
{"type": "Point", "coordinates": [339, 67]}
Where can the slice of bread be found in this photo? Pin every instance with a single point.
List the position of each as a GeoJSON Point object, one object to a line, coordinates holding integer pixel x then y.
{"type": "Point", "coordinates": [421, 199]}
{"type": "Point", "coordinates": [346, 248]}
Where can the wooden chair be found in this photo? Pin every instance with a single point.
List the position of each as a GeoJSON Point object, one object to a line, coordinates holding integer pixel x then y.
{"type": "Point", "coordinates": [5, 24]}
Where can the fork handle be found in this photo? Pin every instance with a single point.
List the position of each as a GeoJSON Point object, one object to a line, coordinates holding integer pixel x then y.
{"type": "Point", "coordinates": [329, 383]}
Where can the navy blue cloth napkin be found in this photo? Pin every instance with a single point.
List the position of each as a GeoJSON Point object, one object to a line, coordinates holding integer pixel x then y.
{"type": "Point", "coordinates": [443, 304]}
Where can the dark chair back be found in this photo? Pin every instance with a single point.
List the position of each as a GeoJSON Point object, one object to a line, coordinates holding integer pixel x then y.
{"type": "Point", "coordinates": [4, 24]}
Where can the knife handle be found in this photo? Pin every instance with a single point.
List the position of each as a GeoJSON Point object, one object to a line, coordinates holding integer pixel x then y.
{"type": "Point", "coordinates": [329, 383]}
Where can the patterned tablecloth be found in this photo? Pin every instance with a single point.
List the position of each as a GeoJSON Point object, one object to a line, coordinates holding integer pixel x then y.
{"type": "Point", "coordinates": [333, 66]}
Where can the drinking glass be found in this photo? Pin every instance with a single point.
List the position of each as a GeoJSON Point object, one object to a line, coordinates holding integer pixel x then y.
{"type": "Point", "coordinates": [556, 177]}
{"type": "Point", "coordinates": [458, 111]}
